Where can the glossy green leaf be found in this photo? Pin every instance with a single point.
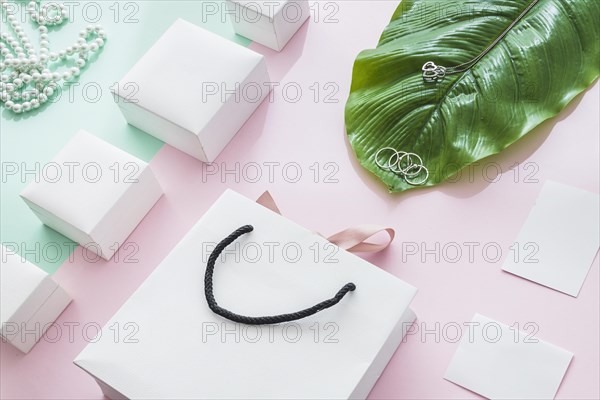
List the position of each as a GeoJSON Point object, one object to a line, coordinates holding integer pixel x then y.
{"type": "Point", "coordinates": [545, 60]}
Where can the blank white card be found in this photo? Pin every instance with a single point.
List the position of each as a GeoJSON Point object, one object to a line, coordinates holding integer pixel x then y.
{"type": "Point", "coordinates": [561, 238]}
{"type": "Point", "coordinates": [500, 362]}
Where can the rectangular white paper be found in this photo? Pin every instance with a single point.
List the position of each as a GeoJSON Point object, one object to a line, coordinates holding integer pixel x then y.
{"type": "Point", "coordinates": [559, 240]}
{"type": "Point", "coordinates": [499, 362]}
{"type": "Point", "coordinates": [182, 350]}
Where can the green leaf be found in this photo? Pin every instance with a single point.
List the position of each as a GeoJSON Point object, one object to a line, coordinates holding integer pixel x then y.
{"type": "Point", "coordinates": [545, 60]}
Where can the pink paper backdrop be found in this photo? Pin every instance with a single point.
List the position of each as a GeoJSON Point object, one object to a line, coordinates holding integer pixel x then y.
{"type": "Point", "coordinates": [308, 136]}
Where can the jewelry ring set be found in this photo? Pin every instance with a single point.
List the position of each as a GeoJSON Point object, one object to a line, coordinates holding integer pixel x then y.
{"type": "Point", "coordinates": [405, 164]}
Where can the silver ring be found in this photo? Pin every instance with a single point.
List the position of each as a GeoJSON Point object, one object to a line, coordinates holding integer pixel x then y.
{"type": "Point", "coordinates": [395, 162]}
{"type": "Point", "coordinates": [422, 181]}
{"type": "Point", "coordinates": [411, 165]}
{"type": "Point", "coordinates": [386, 167]}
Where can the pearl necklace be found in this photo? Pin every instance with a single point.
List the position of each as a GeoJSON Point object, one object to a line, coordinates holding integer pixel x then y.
{"type": "Point", "coordinates": [26, 80]}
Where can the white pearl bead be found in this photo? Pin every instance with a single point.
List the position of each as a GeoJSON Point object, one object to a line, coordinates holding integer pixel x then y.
{"type": "Point", "coordinates": [46, 76]}
{"type": "Point", "coordinates": [26, 106]}
{"type": "Point", "coordinates": [93, 47]}
{"type": "Point", "coordinates": [18, 82]}
{"type": "Point", "coordinates": [53, 56]}
{"type": "Point", "coordinates": [80, 62]}
{"type": "Point", "coordinates": [36, 76]}
{"type": "Point", "coordinates": [43, 29]}
{"type": "Point", "coordinates": [17, 108]}
{"type": "Point", "coordinates": [66, 75]}
{"type": "Point", "coordinates": [9, 104]}
{"type": "Point", "coordinates": [56, 76]}
{"type": "Point", "coordinates": [35, 103]}
{"type": "Point", "coordinates": [42, 98]}
{"type": "Point", "coordinates": [75, 71]}
{"type": "Point", "coordinates": [48, 91]}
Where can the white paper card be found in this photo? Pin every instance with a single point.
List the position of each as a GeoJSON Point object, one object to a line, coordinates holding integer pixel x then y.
{"type": "Point", "coordinates": [561, 236]}
{"type": "Point", "coordinates": [182, 350]}
{"type": "Point", "coordinates": [499, 362]}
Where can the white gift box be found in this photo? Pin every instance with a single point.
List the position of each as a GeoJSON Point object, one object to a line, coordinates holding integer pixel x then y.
{"type": "Point", "coordinates": [93, 193]}
{"type": "Point", "coordinates": [193, 90]}
{"type": "Point", "coordinates": [182, 350]}
{"type": "Point", "coordinates": [30, 301]}
{"type": "Point", "coordinates": [270, 23]}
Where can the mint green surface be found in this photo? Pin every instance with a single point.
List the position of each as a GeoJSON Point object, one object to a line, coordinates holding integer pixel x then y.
{"type": "Point", "coordinates": [27, 139]}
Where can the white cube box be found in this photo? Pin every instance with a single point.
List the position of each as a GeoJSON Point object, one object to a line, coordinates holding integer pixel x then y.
{"type": "Point", "coordinates": [30, 301]}
{"type": "Point", "coordinates": [93, 193]}
{"type": "Point", "coordinates": [193, 90]}
{"type": "Point", "coordinates": [182, 350]}
{"type": "Point", "coordinates": [270, 23]}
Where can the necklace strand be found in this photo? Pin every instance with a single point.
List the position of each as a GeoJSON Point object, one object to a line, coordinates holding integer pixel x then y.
{"type": "Point", "coordinates": [26, 80]}
{"type": "Point", "coordinates": [434, 73]}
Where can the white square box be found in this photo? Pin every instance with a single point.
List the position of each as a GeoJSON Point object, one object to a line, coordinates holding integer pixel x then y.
{"type": "Point", "coordinates": [30, 301]}
{"type": "Point", "coordinates": [270, 23]}
{"type": "Point", "coordinates": [182, 350]}
{"type": "Point", "coordinates": [93, 193]}
{"type": "Point", "coordinates": [193, 90]}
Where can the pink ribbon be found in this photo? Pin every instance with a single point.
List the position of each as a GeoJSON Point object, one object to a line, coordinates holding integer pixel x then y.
{"type": "Point", "coordinates": [352, 239]}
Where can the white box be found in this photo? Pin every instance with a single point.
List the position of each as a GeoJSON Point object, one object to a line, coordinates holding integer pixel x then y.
{"type": "Point", "coordinates": [193, 90]}
{"type": "Point", "coordinates": [182, 350]}
{"type": "Point", "coordinates": [93, 193]}
{"type": "Point", "coordinates": [270, 23]}
{"type": "Point", "coordinates": [30, 301]}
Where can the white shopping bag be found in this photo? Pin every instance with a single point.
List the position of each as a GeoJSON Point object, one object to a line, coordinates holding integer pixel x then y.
{"type": "Point", "coordinates": [178, 348]}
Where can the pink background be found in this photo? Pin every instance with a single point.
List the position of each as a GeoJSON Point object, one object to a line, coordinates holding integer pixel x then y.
{"type": "Point", "coordinates": [473, 209]}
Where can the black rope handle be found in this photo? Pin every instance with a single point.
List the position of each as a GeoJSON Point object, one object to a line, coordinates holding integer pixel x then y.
{"type": "Point", "coordinates": [274, 319]}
